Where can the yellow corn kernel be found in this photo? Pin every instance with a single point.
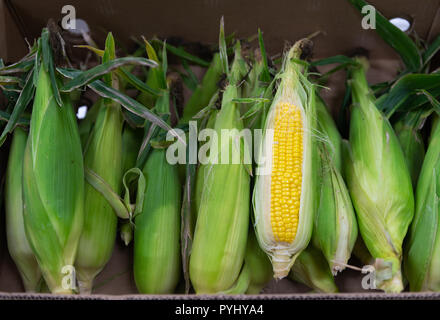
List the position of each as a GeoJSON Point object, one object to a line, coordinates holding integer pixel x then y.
{"type": "Point", "coordinates": [286, 179]}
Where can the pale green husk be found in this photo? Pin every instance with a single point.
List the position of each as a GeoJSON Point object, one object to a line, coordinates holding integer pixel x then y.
{"type": "Point", "coordinates": [53, 185]}
{"type": "Point", "coordinates": [312, 270]}
{"type": "Point", "coordinates": [422, 252]}
{"type": "Point", "coordinates": [104, 157]}
{"type": "Point", "coordinates": [379, 183]}
{"type": "Point", "coordinates": [18, 245]}
{"type": "Point", "coordinates": [157, 229]}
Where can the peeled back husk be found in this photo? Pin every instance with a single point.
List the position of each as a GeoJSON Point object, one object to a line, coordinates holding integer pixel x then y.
{"type": "Point", "coordinates": [379, 183]}
{"type": "Point", "coordinates": [18, 244]}
{"type": "Point", "coordinates": [287, 168]}
{"type": "Point", "coordinates": [53, 186]}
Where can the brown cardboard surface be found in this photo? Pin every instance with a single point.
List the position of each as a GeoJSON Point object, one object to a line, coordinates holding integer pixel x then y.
{"type": "Point", "coordinates": [197, 20]}
{"type": "Point", "coordinates": [12, 44]}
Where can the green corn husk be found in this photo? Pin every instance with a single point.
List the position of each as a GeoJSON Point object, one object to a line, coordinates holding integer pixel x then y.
{"type": "Point", "coordinates": [18, 244]}
{"type": "Point", "coordinates": [204, 91]}
{"type": "Point", "coordinates": [104, 157]}
{"type": "Point", "coordinates": [311, 269]}
{"type": "Point", "coordinates": [422, 251]}
{"type": "Point", "coordinates": [335, 229]}
{"type": "Point", "coordinates": [86, 125]}
{"type": "Point", "coordinates": [413, 148]}
{"type": "Point", "coordinates": [220, 235]}
{"type": "Point", "coordinates": [53, 185]}
{"type": "Point", "coordinates": [131, 142]}
{"type": "Point", "coordinates": [258, 263]}
{"type": "Point", "coordinates": [335, 223]}
{"type": "Point", "coordinates": [434, 123]}
{"type": "Point", "coordinates": [379, 183]}
{"type": "Point", "coordinates": [154, 79]}
{"type": "Point", "coordinates": [332, 136]}
{"type": "Point", "coordinates": [200, 178]}
{"type": "Point", "coordinates": [157, 229]}
{"type": "Point", "coordinates": [295, 90]}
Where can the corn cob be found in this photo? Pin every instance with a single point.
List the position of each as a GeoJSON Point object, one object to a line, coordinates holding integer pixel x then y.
{"type": "Point", "coordinates": [53, 185]}
{"type": "Point", "coordinates": [221, 230]}
{"type": "Point", "coordinates": [312, 270]}
{"type": "Point", "coordinates": [379, 183]}
{"type": "Point", "coordinates": [260, 269]}
{"type": "Point", "coordinates": [203, 93]}
{"type": "Point", "coordinates": [422, 252]}
{"type": "Point", "coordinates": [18, 245]}
{"type": "Point", "coordinates": [335, 223]}
{"type": "Point", "coordinates": [286, 185]}
{"type": "Point", "coordinates": [103, 156]}
{"type": "Point", "coordinates": [156, 256]}
{"type": "Point", "coordinates": [412, 145]}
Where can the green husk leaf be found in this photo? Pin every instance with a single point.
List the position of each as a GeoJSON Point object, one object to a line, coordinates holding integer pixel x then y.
{"type": "Point", "coordinates": [89, 76]}
{"type": "Point", "coordinates": [181, 53]}
{"type": "Point", "coordinates": [108, 193]}
{"type": "Point", "coordinates": [24, 99]}
{"type": "Point", "coordinates": [394, 37]}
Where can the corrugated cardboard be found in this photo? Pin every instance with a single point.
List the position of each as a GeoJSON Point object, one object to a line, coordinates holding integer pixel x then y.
{"type": "Point", "coordinates": [195, 20]}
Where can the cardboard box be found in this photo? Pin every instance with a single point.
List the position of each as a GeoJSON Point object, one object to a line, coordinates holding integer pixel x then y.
{"type": "Point", "coordinates": [197, 20]}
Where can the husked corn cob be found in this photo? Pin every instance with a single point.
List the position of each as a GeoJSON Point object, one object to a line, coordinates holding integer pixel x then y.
{"type": "Point", "coordinates": [286, 188]}
{"type": "Point", "coordinates": [53, 185]}
{"type": "Point", "coordinates": [220, 235]}
{"type": "Point", "coordinates": [312, 270]}
{"type": "Point", "coordinates": [18, 244]}
{"type": "Point", "coordinates": [422, 252]}
{"type": "Point", "coordinates": [379, 183]}
{"type": "Point", "coordinates": [335, 229]}
{"type": "Point", "coordinates": [157, 229]}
